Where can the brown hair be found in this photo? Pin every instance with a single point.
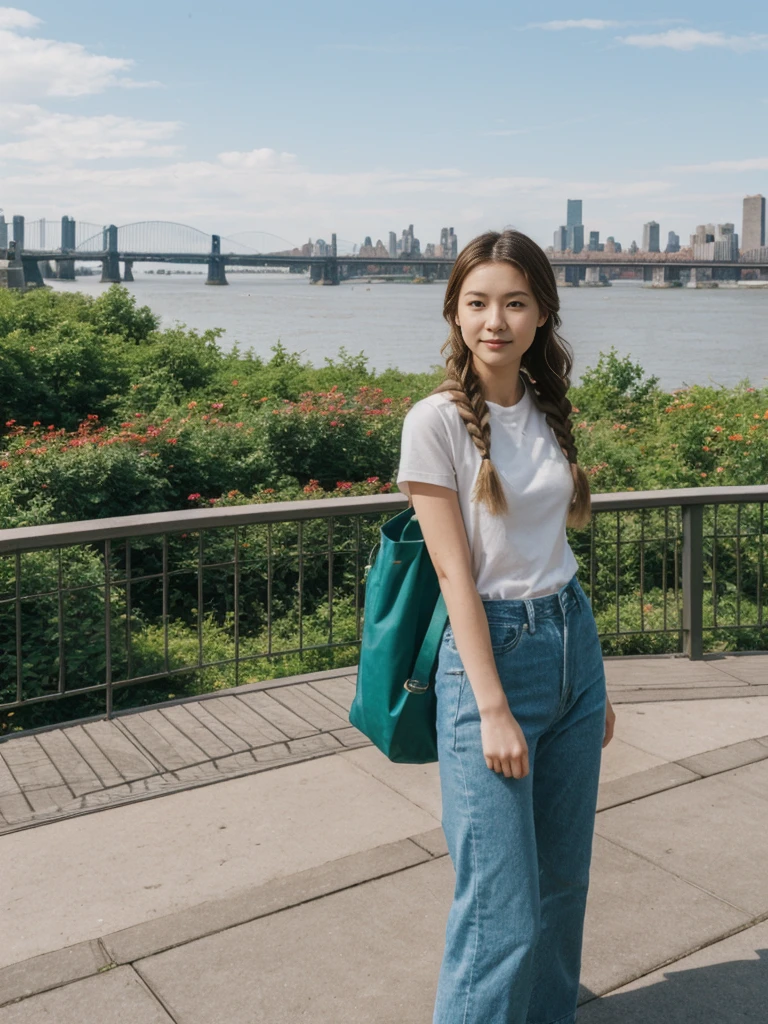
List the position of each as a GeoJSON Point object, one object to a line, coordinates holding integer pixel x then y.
{"type": "Point", "coordinates": [546, 366]}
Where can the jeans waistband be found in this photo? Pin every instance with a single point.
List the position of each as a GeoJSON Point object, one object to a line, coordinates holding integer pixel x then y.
{"type": "Point", "coordinates": [531, 609]}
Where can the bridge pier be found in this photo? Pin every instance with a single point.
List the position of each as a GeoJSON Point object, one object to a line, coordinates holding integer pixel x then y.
{"type": "Point", "coordinates": [594, 279]}
{"type": "Point", "coordinates": [701, 277]}
{"type": "Point", "coordinates": [216, 264]}
{"type": "Point", "coordinates": [326, 272]}
{"type": "Point", "coordinates": [567, 277]}
{"type": "Point", "coordinates": [110, 265]}
{"type": "Point", "coordinates": [46, 270]}
{"type": "Point", "coordinates": [32, 276]}
{"type": "Point", "coordinates": [661, 277]}
{"type": "Point", "coordinates": [65, 269]}
{"type": "Point", "coordinates": [12, 270]}
{"type": "Point", "coordinates": [128, 270]}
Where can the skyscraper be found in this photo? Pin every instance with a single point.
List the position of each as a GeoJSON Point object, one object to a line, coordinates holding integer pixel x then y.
{"type": "Point", "coordinates": [560, 243]}
{"type": "Point", "coordinates": [753, 222]}
{"type": "Point", "coordinates": [573, 221]}
{"type": "Point", "coordinates": [673, 242]}
{"type": "Point", "coordinates": [651, 236]}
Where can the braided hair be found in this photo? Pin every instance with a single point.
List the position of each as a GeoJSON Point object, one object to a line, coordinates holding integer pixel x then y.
{"type": "Point", "coordinates": [546, 366]}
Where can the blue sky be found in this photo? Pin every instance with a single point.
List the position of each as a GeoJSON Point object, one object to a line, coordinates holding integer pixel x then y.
{"type": "Point", "coordinates": [306, 118]}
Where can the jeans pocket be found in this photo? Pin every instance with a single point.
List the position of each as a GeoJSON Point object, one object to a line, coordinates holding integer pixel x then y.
{"type": "Point", "coordinates": [505, 635]}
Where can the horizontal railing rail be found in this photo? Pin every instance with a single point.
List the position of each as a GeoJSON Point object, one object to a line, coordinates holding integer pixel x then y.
{"type": "Point", "coordinates": [103, 604]}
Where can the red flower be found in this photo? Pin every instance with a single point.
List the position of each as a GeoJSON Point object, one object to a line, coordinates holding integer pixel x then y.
{"type": "Point", "coordinates": [193, 497]}
{"type": "Point", "coordinates": [36, 423]}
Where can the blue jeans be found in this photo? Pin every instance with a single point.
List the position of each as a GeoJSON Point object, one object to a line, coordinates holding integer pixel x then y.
{"type": "Point", "coordinates": [521, 848]}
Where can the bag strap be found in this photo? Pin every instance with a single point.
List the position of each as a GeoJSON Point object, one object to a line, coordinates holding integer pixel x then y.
{"type": "Point", "coordinates": [425, 659]}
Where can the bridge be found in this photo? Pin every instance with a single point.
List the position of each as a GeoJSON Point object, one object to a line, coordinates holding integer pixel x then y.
{"type": "Point", "coordinates": [46, 248]}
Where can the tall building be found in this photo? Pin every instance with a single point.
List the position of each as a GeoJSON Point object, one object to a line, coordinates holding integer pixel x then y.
{"type": "Point", "coordinates": [594, 241]}
{"type": "Point", "coordinates": [560, 243]}
{"type": "Point", "coordinates": [753, 222]}
{"type": "Point", "coordinates": [392, 244]}
{"type": "Point", "coordinates": [673, 242]}
{"type": "Point", "coordinates": [3, 233]}
{"type": "Point", "coordinates": [651, 237]}
{"type": "Point", "coordinates": [449, 244]}
{"type": "Point", "coordinates": [573, 222]}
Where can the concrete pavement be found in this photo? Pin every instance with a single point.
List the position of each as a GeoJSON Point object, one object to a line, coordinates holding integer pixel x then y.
{"type": "Point", "coordinates": [318, 890]}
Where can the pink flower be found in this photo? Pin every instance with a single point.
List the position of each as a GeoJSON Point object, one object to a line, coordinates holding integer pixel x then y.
{"type": "Point", "coordinates": [193, 497]}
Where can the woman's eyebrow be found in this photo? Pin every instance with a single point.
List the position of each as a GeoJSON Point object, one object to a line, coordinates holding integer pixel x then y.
{"type": "Point", "coordinates": [484, 296]}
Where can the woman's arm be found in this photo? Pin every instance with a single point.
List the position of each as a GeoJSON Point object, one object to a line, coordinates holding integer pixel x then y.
{"type": "Point", "coordinates": [504, 745]}
{"type": "Point", "coordinates": [442, 527]}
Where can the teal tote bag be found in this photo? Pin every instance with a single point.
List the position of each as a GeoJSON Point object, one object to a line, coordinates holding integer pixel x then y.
{"type": "Point", "coordinates": [404, 618]}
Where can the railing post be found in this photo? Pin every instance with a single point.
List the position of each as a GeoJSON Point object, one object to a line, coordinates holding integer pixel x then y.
{"type": "Point", "coordinates": [693, 581]}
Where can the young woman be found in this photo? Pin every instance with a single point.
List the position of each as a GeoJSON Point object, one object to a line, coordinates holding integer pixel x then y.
{"type": "Point", "coordinates": [489, 462]}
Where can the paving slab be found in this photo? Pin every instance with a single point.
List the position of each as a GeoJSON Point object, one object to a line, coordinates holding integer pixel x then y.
{"type": "Point", "coordinates": [358, 964]}
{"type": "Point", "coordinates": [151, 937]}
{"type": "Point", "coordinates": [84, 877]}
{"type": "Point", "coordinates": [115, 997]}
{"type": "Point", "coordinates": [724, 983]}
{"type": "Point", "coordinates": [640, 915]}
{"type": "Point", "coordinates": [676, 729]}
{"type": "Point", "coordinates": [620, 758]}
{"type": "Point", "coordinates": [419, 783]}
{"type": "Point", "coordinates": [711, 832]}
{"type": "Point", "coordinates": [51, 970]}
{"type": "Point", "coordinates": [734, 756]}
{"type": "Point", "coordinates": [643, 784]}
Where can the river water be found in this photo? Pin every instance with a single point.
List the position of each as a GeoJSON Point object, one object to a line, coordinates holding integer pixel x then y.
{"type": "Point", "coordinates": [683, 336]}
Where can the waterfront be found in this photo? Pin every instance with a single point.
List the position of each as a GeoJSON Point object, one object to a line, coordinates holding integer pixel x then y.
{"type": "Point", "coordinates": [683, 336]}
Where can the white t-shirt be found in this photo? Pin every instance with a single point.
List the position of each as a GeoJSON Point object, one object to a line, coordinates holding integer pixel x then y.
{"type": "Point", "coordinates": [525, 553]}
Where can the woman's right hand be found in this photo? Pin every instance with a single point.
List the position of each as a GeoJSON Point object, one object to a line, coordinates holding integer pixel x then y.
{"type": "Point", "coordinates": [504, 745]}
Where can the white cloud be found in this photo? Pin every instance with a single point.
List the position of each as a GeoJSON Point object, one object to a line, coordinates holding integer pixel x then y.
{"type": "Point", "coordinates": [261, 158]}
{"type": "Point", "coordinates": [759, 163]}
{"type": "Point", "coordinates": [590, 23]}
{"type": "Point", "coordinates": [44, 136]}
{"type": "Point", "coordinates": [33, 67]}
{"type": "Point", "coordinates": [691, 38]}
{"type": "Point", "coordinates": [597, 24]}
{"type": "Point", "coordinates": [12, 17]}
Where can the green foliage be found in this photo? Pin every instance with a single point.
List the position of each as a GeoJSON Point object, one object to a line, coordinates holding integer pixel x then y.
{"type": "Point", "coordinates": [107, 415]}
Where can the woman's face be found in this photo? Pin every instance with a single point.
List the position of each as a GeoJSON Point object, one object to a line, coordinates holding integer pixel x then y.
{"type": "Point", "coordinates": [496, 303]}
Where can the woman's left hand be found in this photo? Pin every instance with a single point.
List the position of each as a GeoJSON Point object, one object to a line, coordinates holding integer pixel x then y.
{"type": "Point", "coordinates": [610, 719]}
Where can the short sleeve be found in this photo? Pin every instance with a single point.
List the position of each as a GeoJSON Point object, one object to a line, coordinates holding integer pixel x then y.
{"type": "Point", "coordinates": [425, 449]}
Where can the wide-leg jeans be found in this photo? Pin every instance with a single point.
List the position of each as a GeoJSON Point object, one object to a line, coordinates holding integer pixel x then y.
{"type": "Point", "coordinates": [521, 848]}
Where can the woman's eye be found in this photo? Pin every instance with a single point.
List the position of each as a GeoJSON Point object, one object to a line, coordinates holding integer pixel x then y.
{"type": "Point", "coordinates": [513, 302]}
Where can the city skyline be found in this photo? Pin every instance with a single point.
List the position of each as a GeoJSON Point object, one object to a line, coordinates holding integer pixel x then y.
{"type": "Point", "coordinates": [275, 120]}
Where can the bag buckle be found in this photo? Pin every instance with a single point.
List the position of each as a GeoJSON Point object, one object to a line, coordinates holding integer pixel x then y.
{"type": "Point", "coordinates": [415, 686]}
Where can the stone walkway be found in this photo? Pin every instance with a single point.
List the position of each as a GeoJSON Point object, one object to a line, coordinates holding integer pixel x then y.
{"type": "Point", "coordinates": [52, 774]}
{"type": "Point", "coordinates": [318, 892]}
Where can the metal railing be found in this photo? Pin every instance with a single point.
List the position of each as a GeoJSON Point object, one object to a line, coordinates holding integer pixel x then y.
{"type": "Point", "coordinates": [108, 603]}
